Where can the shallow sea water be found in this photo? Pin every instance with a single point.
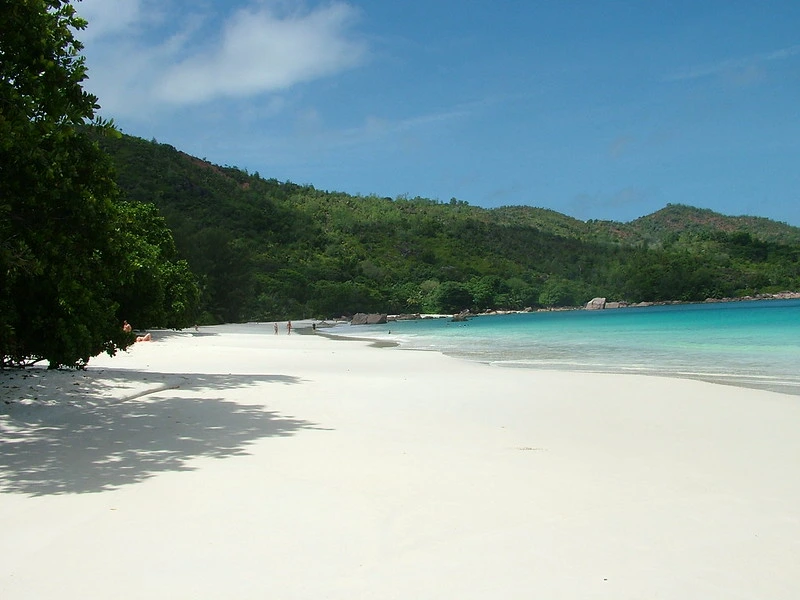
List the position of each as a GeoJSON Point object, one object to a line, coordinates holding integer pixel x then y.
{"type": "Point", "coordinates": [750, 344]}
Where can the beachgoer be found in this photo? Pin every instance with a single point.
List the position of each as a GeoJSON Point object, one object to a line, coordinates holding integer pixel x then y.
{"type": "Point", "coordinates": [288, 327]}
{"type": "Point", "coordinates": [126, 327]}
{"type": "Point", "coordinates": [144, 338]}
{"type": "Point", "coordinates": [276, 327]}
{"type": "Point", "coordinates": [314, 326]}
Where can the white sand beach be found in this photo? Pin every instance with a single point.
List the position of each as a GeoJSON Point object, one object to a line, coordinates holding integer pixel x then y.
{"type": "Point", "coordinates": [217, 465]}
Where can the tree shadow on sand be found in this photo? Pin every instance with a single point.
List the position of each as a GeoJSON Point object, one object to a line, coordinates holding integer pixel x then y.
{"type": "Point", "coordinates": [79, 432]}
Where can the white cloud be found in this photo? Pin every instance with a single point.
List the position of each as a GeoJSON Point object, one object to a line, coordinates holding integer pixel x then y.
{"type": "Point", "coordinates": [107, 17]}
{"type": "Point", "coordinates": [149, 56]}
{"type": "Point", "coordinates": [260, 52]}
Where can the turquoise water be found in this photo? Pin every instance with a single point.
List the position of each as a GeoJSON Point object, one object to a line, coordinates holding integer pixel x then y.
{"type": "Point", "coordinates": [753, 344]}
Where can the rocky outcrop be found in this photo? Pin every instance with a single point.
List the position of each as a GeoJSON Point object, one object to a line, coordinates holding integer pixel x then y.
{"type": "Point", "coordinates": [368, 319]}
{"type": "Point", "coordinates": [462, 316]}
{"type": "Point", "coordinates": [616, 305]}
{"type": "Point", "coordinates": [596, 304]}
{"type": "Point", "coordinates": [776, 296]}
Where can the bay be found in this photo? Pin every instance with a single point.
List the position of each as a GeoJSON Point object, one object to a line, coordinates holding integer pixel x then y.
{"type": "Point", "coordinates": [748, 343]}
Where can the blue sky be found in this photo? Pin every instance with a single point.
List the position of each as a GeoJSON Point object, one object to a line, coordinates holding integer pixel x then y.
{"type": "Point", "coordinates": [599, 109]}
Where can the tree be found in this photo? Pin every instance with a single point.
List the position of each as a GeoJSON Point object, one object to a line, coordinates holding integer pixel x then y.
{"type": "Point", "coordinates": [451, 297]}
{"type": "Point", "coordinates": [157, 289]}
{"type": "Point", "coordinates": [65, 257]}
{"type": "Point", "coordinates": [560, 292]}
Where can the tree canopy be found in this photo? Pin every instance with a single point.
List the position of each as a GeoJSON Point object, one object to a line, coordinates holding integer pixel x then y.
{"type": "Point", "coordinates": [265, 249]}
{"type": "Point", "coordinates": [72, 256]}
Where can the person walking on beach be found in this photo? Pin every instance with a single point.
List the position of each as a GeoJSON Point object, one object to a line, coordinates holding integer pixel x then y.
{"type": "Point", "coordinates": [275, 325]}
{"type": "Point", "coordinates": [288, 327]}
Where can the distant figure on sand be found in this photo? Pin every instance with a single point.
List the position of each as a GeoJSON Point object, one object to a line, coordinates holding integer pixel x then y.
{"type": "Point", "coordinates": [288, 327]}
{"type": "Point", "coordinates": [126, 327]}
{"type": "Point", "coordinates": [276, 327]}
{"type": "Point", "coordinates": [144, 338]}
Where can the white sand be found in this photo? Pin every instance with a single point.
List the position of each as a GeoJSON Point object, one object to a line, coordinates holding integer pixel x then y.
{"type": "Point", "coordinates": [299, 467]}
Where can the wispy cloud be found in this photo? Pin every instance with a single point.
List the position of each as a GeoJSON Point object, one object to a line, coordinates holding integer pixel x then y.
{"type": "Point", "coordinates": [259, 51]}
{"type": "Point", "coordinates": [147, 60]}
{"type": "Point", "coordinates": [375, 126]}
{"type": "Point", "coordinates": [379, 126]}
{"type": "Point", "coordinates": [310, 135]}
{"type": "Point", "coordinates": [728, 66]}
{"type": "Point", "coordinates": [107, 17]}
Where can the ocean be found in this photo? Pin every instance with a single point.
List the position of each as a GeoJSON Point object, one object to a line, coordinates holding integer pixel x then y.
{"type": "Point", "coordinates": [749, 343]}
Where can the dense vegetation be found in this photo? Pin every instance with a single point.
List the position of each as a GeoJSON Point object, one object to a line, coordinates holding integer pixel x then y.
{"type": "Point", "coordinates": [268, 250]}
{"type": "Point", "coordinates": [74, 259]}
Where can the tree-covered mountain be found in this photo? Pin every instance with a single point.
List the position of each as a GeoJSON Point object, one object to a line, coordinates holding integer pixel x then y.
{"type": "Point", "coordinates": [264, 249]}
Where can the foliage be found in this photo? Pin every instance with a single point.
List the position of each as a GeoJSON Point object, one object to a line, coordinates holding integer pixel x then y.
{"type": "Point", "coordinates": [677, 220]}
{"type": "Point", "coordinates": [155, 287]}
{"type": "Point", "coordinates": [67, 262]}
{"type": "Point", "coordinates": [271, 250]}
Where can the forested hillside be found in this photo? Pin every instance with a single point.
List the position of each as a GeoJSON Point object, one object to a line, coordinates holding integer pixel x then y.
{"type": "Point", "coordinates": [263, 249]}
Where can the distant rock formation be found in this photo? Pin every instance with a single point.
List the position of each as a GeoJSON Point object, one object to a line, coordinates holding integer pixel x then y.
{"type": "Point", "coordinates": [616, 305]}
{"type": "Point", "coordinates": [368, 319]}
{"type": "Point", "coordinates": [462, 316]}
{"type": "Point", "coordinates": [596, 304]}
{"type": "Point", "coordinates": [777, 296]}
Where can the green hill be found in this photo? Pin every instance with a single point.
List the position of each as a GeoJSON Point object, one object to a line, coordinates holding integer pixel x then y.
{"type": "Point", "coordinates": [265, 249]}
{"type": "Point", "coordinates": [677, 219]}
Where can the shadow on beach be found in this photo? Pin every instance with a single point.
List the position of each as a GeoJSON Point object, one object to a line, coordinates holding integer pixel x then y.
{"type": "Point", "coordinates": [351, 338]}
{"type": "Point", "coordinates": [80, 432]}
{"type": "Point", "coordinates": [165, 334]}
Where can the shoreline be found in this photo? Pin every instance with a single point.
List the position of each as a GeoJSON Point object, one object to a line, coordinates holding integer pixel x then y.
{"type": "Point", "coordinates": [748, 379]}
{"type": "Point", "coordinates": [745, 381]}
{"type": "Point", "coordinates": [613, 305]}
{"type": "Point", "coordinates": [227, 464]}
